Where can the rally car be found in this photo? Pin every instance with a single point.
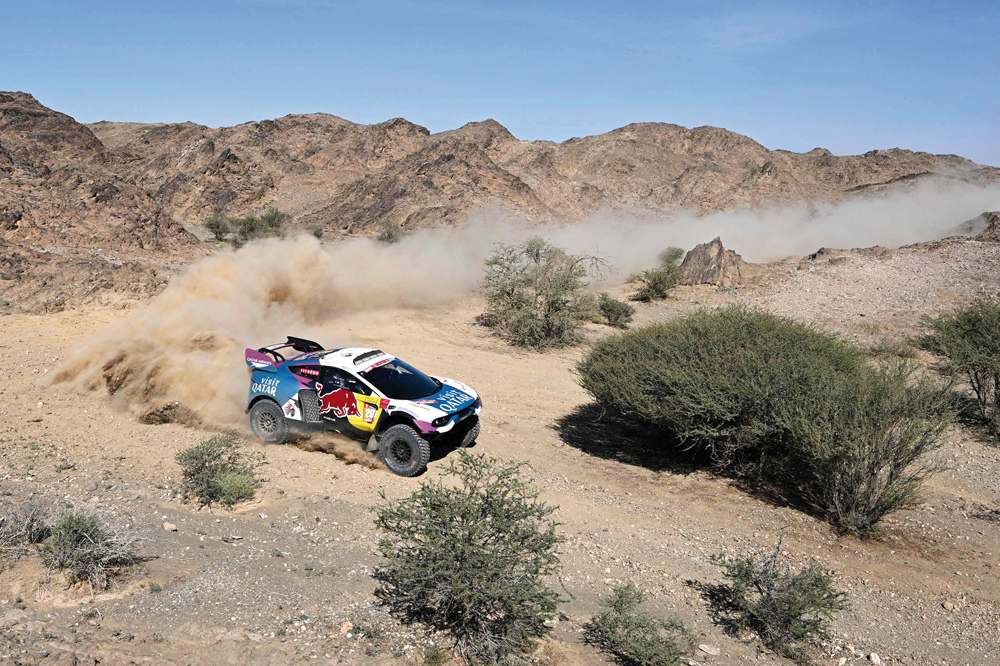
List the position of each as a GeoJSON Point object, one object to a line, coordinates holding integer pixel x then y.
{"type": "Point", "coordinates": [383, 402]}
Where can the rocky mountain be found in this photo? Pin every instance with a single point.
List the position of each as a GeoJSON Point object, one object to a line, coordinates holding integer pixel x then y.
{"type": "Point", "coordinates": [88, 209]}
{"type": "Point", "coordinates": [344, 176]}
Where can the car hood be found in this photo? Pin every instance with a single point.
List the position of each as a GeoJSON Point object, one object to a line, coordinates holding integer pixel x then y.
{"type": "Point", "coordinates": [452, 398]}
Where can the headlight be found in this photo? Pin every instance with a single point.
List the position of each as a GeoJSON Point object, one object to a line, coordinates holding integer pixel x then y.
{"type": "Point", "coordinates": [437, 423]}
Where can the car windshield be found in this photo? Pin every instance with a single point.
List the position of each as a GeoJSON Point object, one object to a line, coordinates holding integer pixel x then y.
{"type": "Point", "coordinates": [401, 381]}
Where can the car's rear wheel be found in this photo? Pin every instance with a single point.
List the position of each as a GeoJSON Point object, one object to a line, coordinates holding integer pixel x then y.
{"type": "Point", "coordinates": [404, 451]}
{"type": "Point", "coordinates": [267, 422]}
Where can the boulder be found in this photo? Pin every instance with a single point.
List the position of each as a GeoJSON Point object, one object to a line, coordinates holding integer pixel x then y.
{"type": "Point", "coordinates": [991, 227]}
{"type": "Point", "coordinates": [711, 263]}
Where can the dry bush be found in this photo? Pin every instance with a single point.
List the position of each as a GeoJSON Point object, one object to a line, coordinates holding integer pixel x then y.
{"type": "Point", "coordinates": [389, 231]}
{"type": "Point", "coordinates": [787, 610]}
{"type": "Point", "coordinates": [889, 348]}
{"type": "Point", "coordinates": [21, 526]}
{"type": "Point", "coordinates": [635, 637]}
{"type": "Point", "coordinates": [86, 550]}
{"type": "Point", "coordinates": [536, 294]}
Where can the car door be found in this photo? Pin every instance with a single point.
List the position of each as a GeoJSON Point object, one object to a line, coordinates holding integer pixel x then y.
{"type": "Point", "coordinates": [346, 403]}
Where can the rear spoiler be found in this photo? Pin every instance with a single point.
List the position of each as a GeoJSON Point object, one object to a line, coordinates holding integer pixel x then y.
{"type": "Point", "coordinates": [260, 361]}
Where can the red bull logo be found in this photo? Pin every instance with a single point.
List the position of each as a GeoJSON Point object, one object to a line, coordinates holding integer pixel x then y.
{"type": "Point", "coordinates": [341, 402]}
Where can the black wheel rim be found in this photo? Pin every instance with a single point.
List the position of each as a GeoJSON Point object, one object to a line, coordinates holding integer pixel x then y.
{"type": "Point", "coordinates": [400, 453]}
{"type": "Point", "coordinates": [267, 423]}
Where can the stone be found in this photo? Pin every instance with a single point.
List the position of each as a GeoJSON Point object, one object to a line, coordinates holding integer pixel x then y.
{"type": "Point", "coordinates": [346, 627]}
{"type": "Point", "coordinates": [170, 527]}
{"type": "Point", "coordinates": [875, 659]}
{"type": "Point", "coordinates": [563, 617]}
{"type": "Point", "coordinates": [842, 661]}
{"type": "Point", "coordinates": [948, 606]}
{"type": "Point", "coordinates": [711, 263]}
{"type": "Point", "coordinates": [709, 649]}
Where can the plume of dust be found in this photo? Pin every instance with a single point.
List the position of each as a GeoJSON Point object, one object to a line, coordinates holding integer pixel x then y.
{"type": "Point", "coordinates": [341, 447]}
{"type": "Point", "coordinates": [186, 346]}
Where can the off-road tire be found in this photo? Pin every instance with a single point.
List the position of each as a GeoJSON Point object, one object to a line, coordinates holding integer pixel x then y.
{"type": "Point", "coordinates": [267, 422]}
{"type": "Point", "coordinates": [403, 451]}
{"type": "Point", "coordinates": [469, 438]}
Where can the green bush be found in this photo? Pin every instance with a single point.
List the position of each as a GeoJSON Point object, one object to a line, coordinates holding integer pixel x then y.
{"type": "Point", "coordinates": [218, 470]}
{"type": "Point", "coordinates": [219, 225]}
{"type": "Point", "coordinates": [535, 294]}
{"type": "Point", "coordinates": [782, 405]}
{"type": "Point", "coordinates": [862, 444]}
{"type": "Point", "coordinates": [389, 231]}
{"type": "Point", "coordinates": [254, 227]}
{"type": "Point", "coordinates": [616, 313]}
{"type": "Point", "coordinates": [470, 559]}
{"type": "Point", "coordinates": [655, 283]}
{"type": "Point", "coordinates": [969, 341]}
{"type": "Point", "coordinates": [86, 550]}
{"type": "Point", "coordinates": [787, 610]}
{"type": "Point", "coordinates": [635, 637]}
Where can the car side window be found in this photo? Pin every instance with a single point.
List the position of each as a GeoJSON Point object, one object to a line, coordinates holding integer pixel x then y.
{"type": "Point", "coordinates": [335, 378]}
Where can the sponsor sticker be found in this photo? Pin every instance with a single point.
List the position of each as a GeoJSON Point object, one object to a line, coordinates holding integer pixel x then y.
{"type": "Point", "coordinates": [452, 400]}
{"type": "Point", "coordinates": [267, 385]}
{"type": "Point", "coordinates": [341, 402]}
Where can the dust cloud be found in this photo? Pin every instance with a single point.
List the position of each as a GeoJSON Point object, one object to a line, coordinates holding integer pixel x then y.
{"type": "Point", "coordinates": [185, 348]}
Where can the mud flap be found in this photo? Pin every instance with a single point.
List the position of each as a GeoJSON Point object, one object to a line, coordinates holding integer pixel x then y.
{"type": "Point", "coordinates": [372, 444]}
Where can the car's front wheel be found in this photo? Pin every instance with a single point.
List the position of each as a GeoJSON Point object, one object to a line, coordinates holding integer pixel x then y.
{"type": "Point", "coordinates": [404, 451]}
{"type": "Point", "coordinates": [267, 422]}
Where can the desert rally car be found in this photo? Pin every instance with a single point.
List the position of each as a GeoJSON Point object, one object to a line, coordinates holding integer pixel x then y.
{"type": "Point", "coordinates": [373, 397]}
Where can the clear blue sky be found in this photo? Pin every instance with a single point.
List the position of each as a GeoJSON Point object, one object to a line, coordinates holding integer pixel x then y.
{"type": "Point", "coordinates": [848, 76]}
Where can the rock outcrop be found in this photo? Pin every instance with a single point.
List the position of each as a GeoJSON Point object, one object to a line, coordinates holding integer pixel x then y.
{"type": "Point", "coordinates": [711, 263]}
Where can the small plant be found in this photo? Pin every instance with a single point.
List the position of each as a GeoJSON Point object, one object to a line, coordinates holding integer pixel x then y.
{"type": "Point", "coordinates": [218, 470]}
{"type": "Point", "coordinates": [22, 525]}
{"type": "Point", "coordinates": [535, 294]}
{"type": "Point", "coordinates": [633, 636]}
{"type": "Point", "coordinates": [435, 655]}
{"type": "Point", "coordinates": [787, 610]}
{"type": "Point", "coordinates": [889, 348]}
{"type": "Point", "coordinates": [969, 341]}
{"type": "Point", "coordinates": [616, 313]}
{"type": "Point", "coordinates": [86, 550]}
{"type": "Point", "coordinates": [655, 283]}
{"type": "Point", "coordinates": [219, 226]}
{"type": "Point", "coordinates": [484, 548]}
{"type": "Point", "coordinates": [316, 231]}
{"type": "Point", "coordinates": [155, 588]}
{"type": "Point", "coordinates": [389, 231]}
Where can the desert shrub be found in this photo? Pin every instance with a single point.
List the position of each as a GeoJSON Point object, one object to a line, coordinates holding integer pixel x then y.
{"type": "Point", "coordinates": [435, 655]}
{"type": "Point", "coordinates": [219, 470]}
{"type": "Point", "coordinates": [654, 283]}
{"type": "Point", "coordinates": [616, 313]}
{"type": "Point", "coordinates": [86, 550]}
{"type": "Point", "coordinates": [316, 231]}
{"type": "Point", "coordinates": [470, 558]}
{"type": "Point", "coordinates": [22, 525]}
{"type": "Point", "coordinates": [889, 348]}
{"type": "Point", "coordinates": [254, 227]}
{"type": "Point", "coordinates": [633, 636]}
{"type": "Point", "coordinates": [783, 406]}
{"type": "Point", "coordinates": [862, 444]}
{"type": "Point", "coordinates": [219, 225]}
{"type": "Point", "coordinates": [389, 231]}
{"type": "Point", "coordinates": [535, 294]}
{"type": "Point", "coordinates": [969, 341]}
{"type": "Point", "coordinates": [787, 610]}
